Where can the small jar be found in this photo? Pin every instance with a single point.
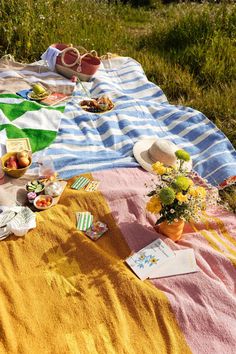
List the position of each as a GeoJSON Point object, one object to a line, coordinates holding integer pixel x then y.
{"type": "Point", "coordinates": [54, 189]}
{"type": "Point", "coordinates": [31, 196]}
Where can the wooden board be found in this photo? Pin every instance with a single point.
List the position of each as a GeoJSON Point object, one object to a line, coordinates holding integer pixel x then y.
{"type": "Point", "coordinates": [13, 191]}
{"type": "Point", "coordinates": [19, 144]}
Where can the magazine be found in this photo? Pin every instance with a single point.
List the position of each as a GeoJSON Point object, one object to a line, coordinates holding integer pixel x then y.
{"type": "Point", "coordinates": [55, 98]}
{"type": "Point", "coordinates": [51, 100]}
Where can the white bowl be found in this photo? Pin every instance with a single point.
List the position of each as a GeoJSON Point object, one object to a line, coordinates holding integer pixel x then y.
{"type": "Point", "coordinates": [43, 197]}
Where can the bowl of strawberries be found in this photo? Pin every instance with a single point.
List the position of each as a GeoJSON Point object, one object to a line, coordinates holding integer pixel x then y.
{"type": "Point", "coordinates": [43, 202]}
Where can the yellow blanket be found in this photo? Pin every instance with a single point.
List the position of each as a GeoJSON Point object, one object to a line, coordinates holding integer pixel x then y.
{"type": "Point", "coordinates": [64, 293]}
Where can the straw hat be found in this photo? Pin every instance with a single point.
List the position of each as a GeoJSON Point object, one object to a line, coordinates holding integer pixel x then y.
{"type": "Point", "coordinates": [149, 151]}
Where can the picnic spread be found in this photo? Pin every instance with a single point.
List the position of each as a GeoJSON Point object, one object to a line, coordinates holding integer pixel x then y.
{"type": "Point", "coordinates": [99, 172]}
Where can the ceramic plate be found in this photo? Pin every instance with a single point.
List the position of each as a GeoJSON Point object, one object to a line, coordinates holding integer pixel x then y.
{"type": "Point", "coordinates": [32, 97]}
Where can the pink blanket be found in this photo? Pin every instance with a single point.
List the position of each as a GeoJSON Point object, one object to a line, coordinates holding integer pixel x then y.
{"type": "Point", "coordinates": [61, 292]}
{"type": "Point", "coordinates": [204, 303]}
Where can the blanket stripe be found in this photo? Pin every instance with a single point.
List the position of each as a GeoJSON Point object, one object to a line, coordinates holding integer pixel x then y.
{"type": "Point", "coordinates": [22, 118]}
{"type": "Point", "coordinates": [90, 142]}
{"type": "Point", "coordinates": [216, 242]}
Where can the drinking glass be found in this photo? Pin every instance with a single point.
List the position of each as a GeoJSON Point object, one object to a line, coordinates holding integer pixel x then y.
{"type": "Point", "coordinates": [46, 167]}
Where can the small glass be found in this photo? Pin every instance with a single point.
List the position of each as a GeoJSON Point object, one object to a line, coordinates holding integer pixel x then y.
{"type": "Point", "coordinates": [46, 167]}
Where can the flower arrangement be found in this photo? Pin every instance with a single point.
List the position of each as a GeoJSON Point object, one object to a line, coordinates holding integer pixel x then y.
{"type": "Point", "coordinates": [179, 194]}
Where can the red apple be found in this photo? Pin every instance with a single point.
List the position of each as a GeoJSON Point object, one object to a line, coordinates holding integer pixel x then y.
{"type": "Point", "coordinates": [21, 154]}
{"type": "Point", "coordinates": [12, 163]}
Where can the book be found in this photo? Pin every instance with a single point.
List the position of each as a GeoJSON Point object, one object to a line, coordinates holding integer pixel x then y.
{"type": "Point", "coordinates": [54, 98]}
{"type": "Point", "coordinates": [149, 258]}
{"type": "Point", "coordinates": [184, 262]}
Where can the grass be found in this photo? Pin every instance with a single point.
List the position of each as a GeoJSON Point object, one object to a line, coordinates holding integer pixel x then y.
{"type": "Point", "coordinates": [188, 49]}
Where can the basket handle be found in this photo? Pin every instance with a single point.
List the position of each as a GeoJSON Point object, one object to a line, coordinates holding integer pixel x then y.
{"type": "Point", "coordinates": [77, 60]}
{"type": "Point", "coordinates": [84, 52]}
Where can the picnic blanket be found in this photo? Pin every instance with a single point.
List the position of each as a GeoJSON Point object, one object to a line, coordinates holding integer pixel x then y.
{"type": "Point", "coordinates": [16, 76]}
{"type": "Point", "coordinates": [23, 118]}
{"type": "Point", "coordinates": [20, 118]}
{"type": "Point", "coordinates": [64, 293]}
{"type": "Point", "coordinates": [90, 141]}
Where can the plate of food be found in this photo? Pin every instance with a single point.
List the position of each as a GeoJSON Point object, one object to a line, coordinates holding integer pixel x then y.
{"type": "Point", "coordinates": [38, 93]}
{"type": "Point", "coordinates": [100, 104]}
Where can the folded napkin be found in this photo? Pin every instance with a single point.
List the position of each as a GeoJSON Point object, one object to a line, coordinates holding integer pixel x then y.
{"type": "Point", "coordinates": [17, 220]}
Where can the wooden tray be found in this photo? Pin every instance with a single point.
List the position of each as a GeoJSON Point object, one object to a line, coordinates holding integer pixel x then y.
{"type": "Point", "coordinates": [19, 144]}
{"type": "Point", "coordinates": [54, 202]}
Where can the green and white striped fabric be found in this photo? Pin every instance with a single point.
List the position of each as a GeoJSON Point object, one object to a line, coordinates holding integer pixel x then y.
{"type": "Point", "coordinates": [21, 118]}
{"type": "Point", "coordinates": [80, 183]}
{"type": "Point", "coordinates": [84, 220]}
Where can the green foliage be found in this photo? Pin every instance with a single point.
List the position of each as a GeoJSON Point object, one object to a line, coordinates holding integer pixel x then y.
{"type": "Point", "coordinates": [200, 38]}
{"type": "Point", "coordinates": [228, 195]}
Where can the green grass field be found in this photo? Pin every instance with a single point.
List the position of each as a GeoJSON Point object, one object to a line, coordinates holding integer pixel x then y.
{"type": "Point", "coordinates": [188, 49]}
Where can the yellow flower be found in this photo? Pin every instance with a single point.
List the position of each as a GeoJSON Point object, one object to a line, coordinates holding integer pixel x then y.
{"type": "Point", "coordinates": [154, 205]}
{"type": "Point", "coordinates": [181, 197]}
{"type": "Point", "coordinates": [169, 169]}
{"type": "Point", "coordinates": [193, 192]}
{"type": "Point", "coordinates": [191, 182]}
{"type": "Point", "coordinates": [201, 191]}
{"type": "Point", "coordinates": [159, 168]}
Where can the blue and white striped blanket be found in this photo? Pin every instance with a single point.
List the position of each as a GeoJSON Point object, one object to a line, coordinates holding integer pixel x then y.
{"type": "Point", "coordinates": [90, 141]}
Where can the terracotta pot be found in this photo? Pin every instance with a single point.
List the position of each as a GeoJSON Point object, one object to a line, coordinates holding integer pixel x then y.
{"type": "Point", "coordinates": [173, 231]}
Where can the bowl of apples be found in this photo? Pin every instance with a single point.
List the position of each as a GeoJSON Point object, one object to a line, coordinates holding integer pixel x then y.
{"type": "Point", "coordinates": [15, 164]}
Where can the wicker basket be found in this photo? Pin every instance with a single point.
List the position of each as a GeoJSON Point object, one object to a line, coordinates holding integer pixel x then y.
{"type": "Point", "coordinates": [15, 173]}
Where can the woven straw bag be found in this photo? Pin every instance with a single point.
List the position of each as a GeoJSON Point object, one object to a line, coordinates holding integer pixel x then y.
{"type": "Point", "coordinates": [76, 61]}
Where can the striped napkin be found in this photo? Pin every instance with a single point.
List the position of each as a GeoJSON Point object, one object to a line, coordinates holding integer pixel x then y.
{"type": "Point", "coordinates": [80, 183]}
{"type": "Point", "coordinates": [84, 220]}
{"type": "Point", "coordinates": [92, 186]}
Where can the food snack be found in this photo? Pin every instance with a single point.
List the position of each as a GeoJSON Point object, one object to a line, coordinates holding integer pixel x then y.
{"type": "Point", "coordinates": [15, 167]}
{"type": "Point", "coordinates": [39, 92]}
{"type": "Point", "coordinates": [35, 186]}
{"type": "Point", "coordinates": [54, 189]}
{"type": "Point", "coordinates": [97, 105]}
{"type": "Point", "coordinates": [31, 196]}
{"type": "Point", "coordinates": [18, 160]}
{"type": "Point", "coordinates": [43, 202]}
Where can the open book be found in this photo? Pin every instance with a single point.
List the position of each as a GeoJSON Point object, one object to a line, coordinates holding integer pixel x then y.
{"type": "Point", "coordinates": [157, 260]}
